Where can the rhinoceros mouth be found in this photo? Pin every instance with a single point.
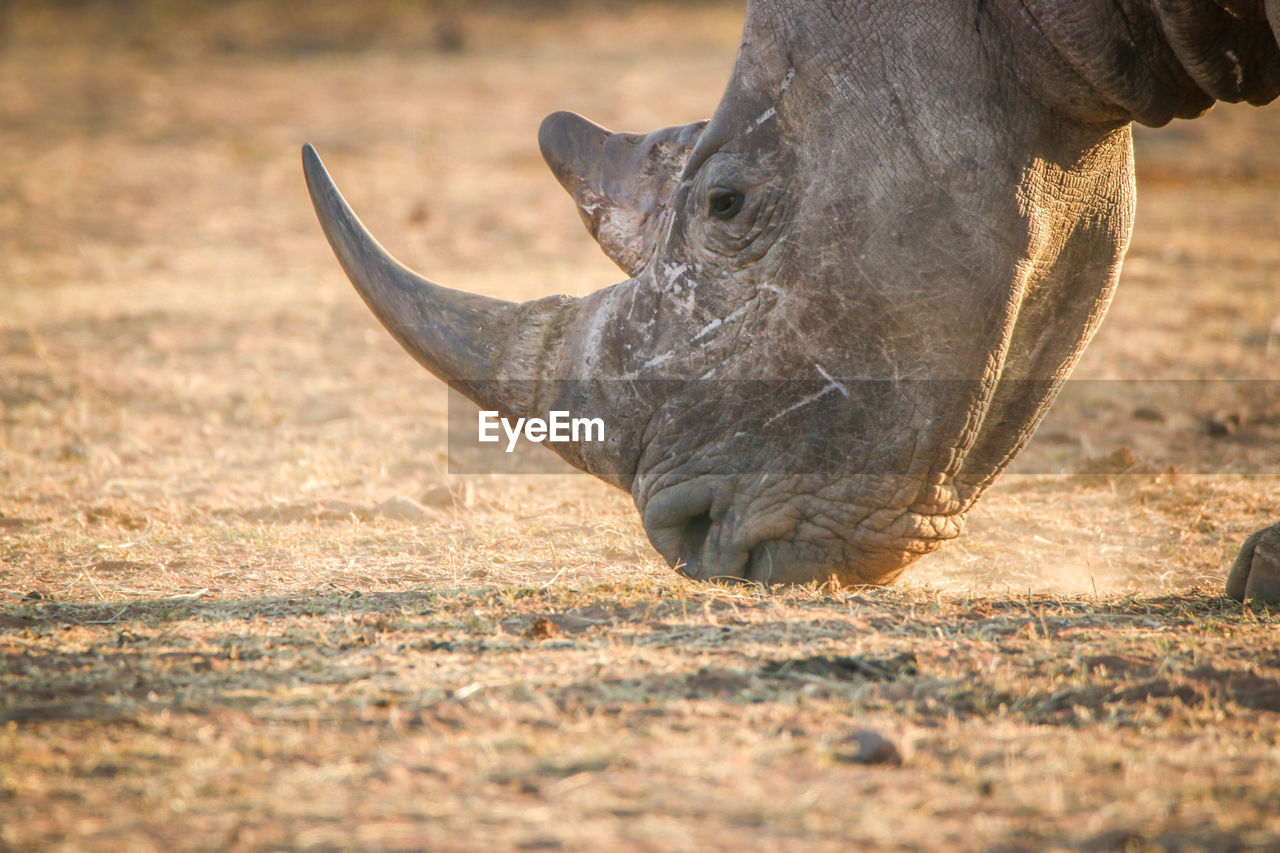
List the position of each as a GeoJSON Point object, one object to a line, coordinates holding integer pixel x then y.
{"type": "Point", "coordinates": [868, 556]}
{"type": "Point", "coordinates": [705, 534]}
{"type": "Point", "coordinates": [869, 563]}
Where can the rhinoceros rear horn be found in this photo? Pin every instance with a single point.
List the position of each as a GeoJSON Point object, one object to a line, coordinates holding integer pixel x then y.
{"type": "Point", "coordinates": [620, 181]}
{"type": "Point", "coordinates": [572, 145]}
{"type": "Point", "coordinates": [494, 351]}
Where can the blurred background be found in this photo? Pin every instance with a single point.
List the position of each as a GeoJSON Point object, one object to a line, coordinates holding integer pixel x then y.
{"type": "Point", "coordinates": [243, 599]}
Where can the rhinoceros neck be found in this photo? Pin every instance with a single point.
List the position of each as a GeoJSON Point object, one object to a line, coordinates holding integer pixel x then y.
{"type": "Point", "coordinates": [1081, 216]}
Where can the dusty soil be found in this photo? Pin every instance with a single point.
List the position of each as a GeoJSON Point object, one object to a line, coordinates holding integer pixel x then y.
{"type": "Point", "coordinates": [222, 630]}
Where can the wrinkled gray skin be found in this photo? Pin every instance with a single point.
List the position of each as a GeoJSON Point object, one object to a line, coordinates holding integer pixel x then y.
{"type": "Point", "coordinates": [856, 289]}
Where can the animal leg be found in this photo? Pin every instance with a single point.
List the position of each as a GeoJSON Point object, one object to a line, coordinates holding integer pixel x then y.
{"type": "Point", "coordinates": [1256, 572]}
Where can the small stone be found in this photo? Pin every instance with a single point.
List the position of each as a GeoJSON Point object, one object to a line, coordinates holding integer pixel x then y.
{"type": "Point", "coordinates": [401, 509]}
{"type": "Point", "coordinates": [75, 451]}
{"type": "Point", "coordinates": [440, 495]}
{"type": "Point", "coordinates": [542, 629]}
{"type": "Point", "coordinates": [449, 35]}
{"type": "Point", "coordinates": [336, 510]}
{"type": "Point", "coordinates": [437, 496]}
{"type": "Point", "coordinates": [869, 747]}
{"type": "Point", "coordinates": [1223, 424]}
{"type": "Point", "coordinates": [1149, 413]}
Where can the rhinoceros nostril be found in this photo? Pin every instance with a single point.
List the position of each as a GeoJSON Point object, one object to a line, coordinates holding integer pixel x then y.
{"type": "Point", "coordinates": [693, 544]}
{"type": "Point", "coordinates": [760, 564]}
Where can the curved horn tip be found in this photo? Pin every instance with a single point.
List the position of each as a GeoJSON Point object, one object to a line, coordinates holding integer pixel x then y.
{"type": "Point", "coordinates": [313, 168]}
{"type": "Point", "coordinates": [309, 156]}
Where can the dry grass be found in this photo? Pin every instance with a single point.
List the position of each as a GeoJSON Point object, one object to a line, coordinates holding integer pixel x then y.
{"type": "Point", "coordinates": [212, 641]}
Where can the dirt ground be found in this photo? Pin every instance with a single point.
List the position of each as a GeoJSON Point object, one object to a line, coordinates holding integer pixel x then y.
{"type": "Point", "coordinates": [222, 630]}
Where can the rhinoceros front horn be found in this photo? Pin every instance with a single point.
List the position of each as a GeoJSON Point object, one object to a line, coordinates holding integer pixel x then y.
{"type": "Point", "coordinates": [498, 353]}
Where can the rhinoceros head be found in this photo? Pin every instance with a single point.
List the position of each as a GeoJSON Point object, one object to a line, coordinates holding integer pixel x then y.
{"type": "Point", "coordinates": [853, 292]}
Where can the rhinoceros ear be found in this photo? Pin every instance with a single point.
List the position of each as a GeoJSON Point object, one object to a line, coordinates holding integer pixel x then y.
{"type": "Point", "coordinates": [619, 181]}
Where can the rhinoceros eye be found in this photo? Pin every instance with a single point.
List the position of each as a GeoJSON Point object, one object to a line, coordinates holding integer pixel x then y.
{"type": "Point", "coordinates": [725, 203]}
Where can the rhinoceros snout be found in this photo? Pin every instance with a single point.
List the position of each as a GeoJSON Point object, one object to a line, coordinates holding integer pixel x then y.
{"type": "Point", "coordinates": [681, 525]}
{"type": "Point", "coordinates": [714, 529]}
{"type": "Point", "coordinates": [706, 534]}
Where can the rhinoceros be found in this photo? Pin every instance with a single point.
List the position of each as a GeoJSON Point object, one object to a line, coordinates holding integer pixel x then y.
{"type": "Point", "coordinates": [854, 291]}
